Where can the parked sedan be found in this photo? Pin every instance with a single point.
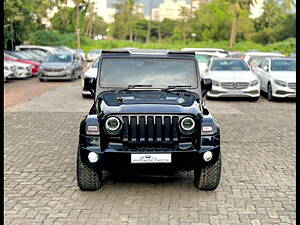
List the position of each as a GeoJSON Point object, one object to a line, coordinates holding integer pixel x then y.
{"type": "Point", "coordinates": [22, 70]}
{"type": "Point", "coordinates": [9, 70]}
{"type": "Point", "coordinates": [92, 55]}
{"type": "Point", "coordinates": [232, 77]}
{"type": "Point", "coordinates": [87, 78]}
{"type": "Point", "coordinates": [203, 59]}
{"type": "Point", "coordinates": [277, 77]}
{"type": "Point", "coordinates": [60, 66]}
{"type": "Point", "coordinates": [34, 65]}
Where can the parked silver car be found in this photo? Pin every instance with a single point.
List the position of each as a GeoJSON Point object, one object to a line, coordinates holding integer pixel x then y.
{"type": "Point", "coordinates": [60, 66]}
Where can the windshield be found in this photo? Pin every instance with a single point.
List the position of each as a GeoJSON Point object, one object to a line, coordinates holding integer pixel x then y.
{"type": "Point", "coordinates": [283, 65]}
{"type": "Point", "coordinates": [95, 51]}
{"type": "Point", "coordinates": [231, 65]}
{"type": "Point", "coordinates": [160, 73]}
{"type": "Point", "coordinates": [203, 58]}
{"type": "Point", "coordinates": [60, 58]}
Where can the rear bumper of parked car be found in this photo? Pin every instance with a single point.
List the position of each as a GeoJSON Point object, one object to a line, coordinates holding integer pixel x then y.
{"type": "Point", "coordinates": [218, 91]}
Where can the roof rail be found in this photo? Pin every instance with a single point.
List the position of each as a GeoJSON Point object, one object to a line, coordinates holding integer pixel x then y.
{"type": "Point", "coordinates": [191, 52]}
{"type": "Point", "coordinates": [115, 51]}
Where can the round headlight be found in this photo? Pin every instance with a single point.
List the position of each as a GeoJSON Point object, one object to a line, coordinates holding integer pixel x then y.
{"type": "Point", "coordinates": [112, 125]}
{"type": "Point", "coordinates": [187, 125]}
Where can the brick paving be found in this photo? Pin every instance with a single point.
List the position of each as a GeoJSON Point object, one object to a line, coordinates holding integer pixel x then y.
{"type": "Point", "coordinates": [257, 184]}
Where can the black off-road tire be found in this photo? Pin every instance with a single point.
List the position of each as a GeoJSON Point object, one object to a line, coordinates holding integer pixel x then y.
{"type": "Point", "coordinates": [88, 179]}
{"type": "Point", "coordinates": [208, 177]}
{"type": "Point", "coordinates": [254, 99]}
{"type": "Point", "coordinates": [86, 96]}
{"type": "Point", "coordinates": [42, 80]}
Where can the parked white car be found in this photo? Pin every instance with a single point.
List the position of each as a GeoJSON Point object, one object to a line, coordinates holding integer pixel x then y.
{"type": "Point", "coordinates": [9, 70]}
{"type": "Point", "coordinates": [93, 55]}
{"type": "Point", "coordinates": [203, 59]}
{"type": "Point", "coordinates": [232, 77]}
{"type": "Point", "coordinates": [217, 51]}
{"type": "Point", "coordinates": [23, 70]}
{"type": "Point", "coordinates": [87, 76]}
{"type": "Point", "coordinates": [249, 56]}
{"type": "Point", "coordinates": [277, 76]}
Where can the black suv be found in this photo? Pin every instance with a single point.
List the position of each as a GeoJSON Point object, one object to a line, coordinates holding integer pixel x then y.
{"type": "Point", "coordinates": [148, 114]}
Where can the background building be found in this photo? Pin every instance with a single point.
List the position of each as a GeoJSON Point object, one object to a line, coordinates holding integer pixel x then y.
{"type": "Point", "coordinates": [169, 9]}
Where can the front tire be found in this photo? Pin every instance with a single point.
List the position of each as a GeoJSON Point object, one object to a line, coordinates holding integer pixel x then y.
{"type": "Point", "coordinates": [208, 177]}
{"type": "Point", "coordinates": [270, 95]}
{"type": "Point", "coordinates": [88, 179]}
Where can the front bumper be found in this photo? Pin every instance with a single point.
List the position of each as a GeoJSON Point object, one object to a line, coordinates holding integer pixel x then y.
{"type": "Point", "coordinates": [283, 92]}
{"type": "Point", "coordinates": [119, 159]}
{"type": "Point", "coordinates": [218, 91]}
{"type": "Point", "coordinates": [23, 74]}
{"type": "Point", "coordinates": [60, 75]}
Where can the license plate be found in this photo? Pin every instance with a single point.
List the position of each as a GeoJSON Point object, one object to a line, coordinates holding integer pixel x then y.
{"type": "Point", "coordinates": [234, 92]}
{"type": "Point", "coordinates": [150, 158]}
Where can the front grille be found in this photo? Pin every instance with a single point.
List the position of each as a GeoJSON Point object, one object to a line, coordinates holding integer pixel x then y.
{"type": "Point", "coordinates": [234, 85]}
{"type": "Point", "coordinates": [53, 69]}
{"type": "Point", "coordinates": [292, 85]}
{"type": "Point", "coordinates": [150, 128]}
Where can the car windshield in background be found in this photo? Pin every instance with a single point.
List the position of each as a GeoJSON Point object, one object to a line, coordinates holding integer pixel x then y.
{"type": "Point", "coordinates": [95, 51]}
{"type": "Point", "coordinates": [283, 65]}
{"type": "Point", "coordinates": [231, 65]}
{"type": "Point", "coordinates": [203, 58]}
{"type": "Point", "coordinates": [159, 73]}
{"type": "Point", "coordinates": [60, 58]}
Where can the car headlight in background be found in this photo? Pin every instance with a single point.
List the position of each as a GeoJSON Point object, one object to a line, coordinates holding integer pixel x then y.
{"type": "Point", "coordinates": [280, 83]}
{"type": "Point", "coordinates": [215, 83]}
{"type": "Point", "coordinates": [254, 82]}
{"type": "Point", "coordinates": [187, 125]}
{"type": "Point", "coordinates": [113, 125]}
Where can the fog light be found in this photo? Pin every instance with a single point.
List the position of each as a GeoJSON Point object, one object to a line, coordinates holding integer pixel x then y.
{"type": "Point", "coordinates": [207, 156]}
{"type": "Point", "coordinates": [93, 157]}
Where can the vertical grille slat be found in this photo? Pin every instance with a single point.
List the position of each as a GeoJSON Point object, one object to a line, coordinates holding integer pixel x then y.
{"type": "Point", "coordinates": [142, 128]}
{"type": "Point", "coordinates": [133, 128]}
{"type": "Point", "coordinates": [167, 125]}
{"type": "Point", "coordinates": [125, 128]}
{"type": "Point", "coordinates": [150, 126]}
{"type": "Point", "coordinates": [174, 128]}
{"type": "Point", "coordinates": [158, 126]}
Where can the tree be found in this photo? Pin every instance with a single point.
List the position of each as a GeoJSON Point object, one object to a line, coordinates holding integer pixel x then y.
{"type": "Point", "coordinates": [125, 18]}
{"type": "Point", "coordinates": [237, 6]}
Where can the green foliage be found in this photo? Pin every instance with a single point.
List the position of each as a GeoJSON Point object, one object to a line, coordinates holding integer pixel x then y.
{"type": "Point", "coordinates": [53, 38]}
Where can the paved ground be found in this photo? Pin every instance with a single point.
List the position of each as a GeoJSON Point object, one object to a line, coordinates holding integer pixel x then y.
{"type": "Point", "coordinates": [257, 184]}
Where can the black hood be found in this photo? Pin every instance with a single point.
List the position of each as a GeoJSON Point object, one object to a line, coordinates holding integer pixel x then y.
{"type": "Point", "coordinates": [149, 102]}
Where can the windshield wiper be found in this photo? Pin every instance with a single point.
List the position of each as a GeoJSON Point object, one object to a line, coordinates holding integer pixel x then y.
{"type": "Point", "coordinates": [134, 86]}
{"type": "Point", "coordinates": [176, 86]}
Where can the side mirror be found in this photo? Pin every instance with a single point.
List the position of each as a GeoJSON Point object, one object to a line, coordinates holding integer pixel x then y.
{"type": "Point", "coordinates": [206, 85]}
{"type": "Point", "coordinates": [90, 84]}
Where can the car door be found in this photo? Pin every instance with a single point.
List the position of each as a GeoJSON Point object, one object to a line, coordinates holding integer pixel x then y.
{"type": "Point", "coordinates": [264, 73]}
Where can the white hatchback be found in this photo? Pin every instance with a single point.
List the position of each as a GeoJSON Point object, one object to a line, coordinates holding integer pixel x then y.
{"type": "Point", "coordinates": [232, 77]}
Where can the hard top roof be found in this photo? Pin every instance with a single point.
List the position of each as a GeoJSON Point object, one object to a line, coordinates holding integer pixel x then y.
{"type": "Point", "coordinates": [148, 52]}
